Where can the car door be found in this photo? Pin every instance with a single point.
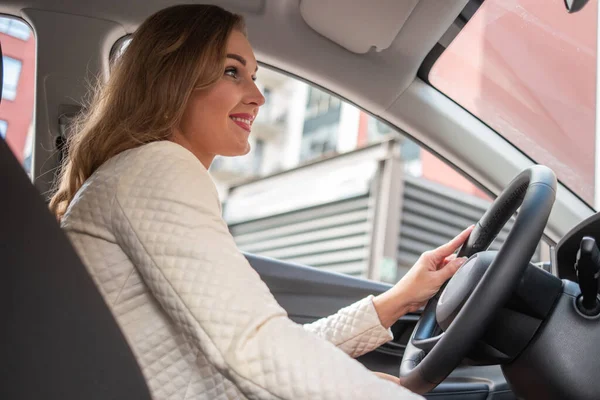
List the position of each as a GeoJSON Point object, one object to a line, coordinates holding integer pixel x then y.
{"type": "Point", "coordinates": [309, 294]}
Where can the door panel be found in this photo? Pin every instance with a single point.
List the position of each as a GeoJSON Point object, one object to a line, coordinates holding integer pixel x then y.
{"type": "Point", "coordinates": [308, 294]}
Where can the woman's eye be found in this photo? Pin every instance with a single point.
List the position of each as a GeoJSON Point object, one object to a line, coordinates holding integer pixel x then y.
{"type": "Point", "coordinates": [231, 71]}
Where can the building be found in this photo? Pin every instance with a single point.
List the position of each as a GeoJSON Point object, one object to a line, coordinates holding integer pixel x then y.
{"type": "Point", "coordinates": [18, 47]}
{"type": "Point", "coordinates": [300, 124]}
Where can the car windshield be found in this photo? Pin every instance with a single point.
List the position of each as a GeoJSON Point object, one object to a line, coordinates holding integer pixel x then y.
{"type": "Point", "coordinates": [527, 69]}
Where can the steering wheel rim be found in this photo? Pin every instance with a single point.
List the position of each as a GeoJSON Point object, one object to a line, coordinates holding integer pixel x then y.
{"type": "Point", "coordinates": [427, 361]}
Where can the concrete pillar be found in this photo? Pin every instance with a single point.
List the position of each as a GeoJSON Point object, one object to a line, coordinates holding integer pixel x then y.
{"type": "Point", "coordinates": [387, 204]}
{"type": "Point", "coordinates": [348, 128]}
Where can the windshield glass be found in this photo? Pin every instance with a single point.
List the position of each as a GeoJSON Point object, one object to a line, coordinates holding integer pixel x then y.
{"type": "Point", "coordinates": [527, 69]}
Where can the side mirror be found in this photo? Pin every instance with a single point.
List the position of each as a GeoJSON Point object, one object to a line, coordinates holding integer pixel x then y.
{"type": "Point", "coordinates": [575, 5]}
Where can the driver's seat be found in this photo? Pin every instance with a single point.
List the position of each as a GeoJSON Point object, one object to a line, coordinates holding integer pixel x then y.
{"type": "Point", "coordinates": [58, 338]}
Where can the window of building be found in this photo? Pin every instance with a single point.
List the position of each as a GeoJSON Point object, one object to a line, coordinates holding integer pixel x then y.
{"type": "Point", "coordinates": [320, 102]}
{"type": "Point", "coordinates": [3, 128]}
{"type": "Point", "coordinates": [15, 28]}
{"type": "Point", "coordinates": [259, 149]}
{"type": "Point", "coordinates": [12, 72]}
{"type": "Point", "coordinates": [16, 109]}
{"type": "Point", "coordinates": [321, 124]}
{"type": "Point", "coordinates": [377, 130]}
{"type": "Point", "coordinates": [320, 141]}
{"type": "Point", "coordinates": [267, 95]}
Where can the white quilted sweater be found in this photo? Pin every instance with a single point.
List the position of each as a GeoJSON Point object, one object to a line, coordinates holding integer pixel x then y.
{"type": "Point", "coordinates": [200, 321]}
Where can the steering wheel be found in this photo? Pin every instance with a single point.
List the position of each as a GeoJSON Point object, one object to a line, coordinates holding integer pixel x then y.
{"type": "Point", "coordinates": [430, 357]}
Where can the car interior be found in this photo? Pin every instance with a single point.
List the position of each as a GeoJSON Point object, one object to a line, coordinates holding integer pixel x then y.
{"type": "Point", "coordinates": [501, 328]}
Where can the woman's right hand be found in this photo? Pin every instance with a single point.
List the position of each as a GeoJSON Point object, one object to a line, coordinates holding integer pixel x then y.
{"type": "Point", "coordinates": [421, 282]}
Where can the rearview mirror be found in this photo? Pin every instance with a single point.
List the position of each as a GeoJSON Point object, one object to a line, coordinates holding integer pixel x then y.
{"type": "Point", "coordinates": [575, 5]}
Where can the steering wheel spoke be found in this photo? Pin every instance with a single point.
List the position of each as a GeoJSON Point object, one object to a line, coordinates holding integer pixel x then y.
{"type": "Point", "coordinates": [427, 344]}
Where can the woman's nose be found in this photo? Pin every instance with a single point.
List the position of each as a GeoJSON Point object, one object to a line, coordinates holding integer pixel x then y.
{"type": "Point", "coordinates": [254, 96]}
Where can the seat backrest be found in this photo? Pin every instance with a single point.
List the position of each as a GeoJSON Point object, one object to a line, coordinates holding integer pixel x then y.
{"type": "Point", "coordinates": [58, 339]}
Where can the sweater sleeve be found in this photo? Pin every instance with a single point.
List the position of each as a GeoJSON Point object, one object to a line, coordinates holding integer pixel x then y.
{"type": "Point", "coordinates": [355, 329]}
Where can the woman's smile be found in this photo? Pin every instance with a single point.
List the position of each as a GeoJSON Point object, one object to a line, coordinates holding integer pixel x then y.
{"type": "Point", "coordinates": [244, 121]}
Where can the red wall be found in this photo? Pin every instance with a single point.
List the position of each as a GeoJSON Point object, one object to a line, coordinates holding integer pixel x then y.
{"type": "Point", "coordinates": [527, 68]}
{"type": "Point", "coordinates": [435, 170]}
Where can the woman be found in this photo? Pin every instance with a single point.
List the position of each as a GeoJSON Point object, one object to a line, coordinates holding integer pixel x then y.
{"type": "Point", "coordinates": [139, 205]}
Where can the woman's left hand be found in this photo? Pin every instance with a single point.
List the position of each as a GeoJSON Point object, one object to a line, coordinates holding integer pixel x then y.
{"type": "Point", "coordinates": [388, 377]}
{"type": "Point", "coordinates": [421, 282]}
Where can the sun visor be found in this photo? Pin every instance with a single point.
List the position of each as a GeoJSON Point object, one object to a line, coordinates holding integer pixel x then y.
{"type": "Point", "coordinates": [358, 25]}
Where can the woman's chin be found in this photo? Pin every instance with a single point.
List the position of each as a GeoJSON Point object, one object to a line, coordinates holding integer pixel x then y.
{"type": "Point", "coordinates": [238, 151]}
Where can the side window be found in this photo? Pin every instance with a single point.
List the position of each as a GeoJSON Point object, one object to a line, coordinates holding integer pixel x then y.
{"type": "Point", "coordinates": [16, 109]}
{"type": "Point", "coordinates": [329, 186]}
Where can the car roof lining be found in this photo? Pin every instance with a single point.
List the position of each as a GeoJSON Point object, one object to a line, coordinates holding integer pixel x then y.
{"type": "Point", "coordinates": [281, 37]}
{"type": "Point", "coordinates": [337, 20]}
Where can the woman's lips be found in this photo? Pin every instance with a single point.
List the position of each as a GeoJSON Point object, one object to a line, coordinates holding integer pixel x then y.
{"type": "Point", "coordinates": [242, 125]}
{"type": "Point", "coordinates": [244, 121]}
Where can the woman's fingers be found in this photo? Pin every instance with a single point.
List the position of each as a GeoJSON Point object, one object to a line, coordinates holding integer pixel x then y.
{"type": "Point", "coordinates": [450, 269]}
{"type": "Point", "coordinates": [448, 259]}
{"type": "Point", "coordinates": [446, 249]}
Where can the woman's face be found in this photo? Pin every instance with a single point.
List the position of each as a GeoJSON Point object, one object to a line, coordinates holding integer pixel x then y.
{"type": "Point", "coordinates": [218, 120]}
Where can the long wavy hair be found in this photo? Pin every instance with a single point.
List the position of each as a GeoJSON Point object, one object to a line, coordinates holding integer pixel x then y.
{"type": "Point", "coordinates": [175, 51]}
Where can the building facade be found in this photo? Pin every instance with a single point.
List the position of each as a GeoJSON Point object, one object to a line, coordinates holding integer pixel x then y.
{"type": "Point", "coordinates": [18, 47]}
{"type": "Point", "coordinates": [301, 124]}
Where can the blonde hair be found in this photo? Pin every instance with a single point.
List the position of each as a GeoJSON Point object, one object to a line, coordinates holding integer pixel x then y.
{"type": "Point", "coordinates": [173, 52]}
